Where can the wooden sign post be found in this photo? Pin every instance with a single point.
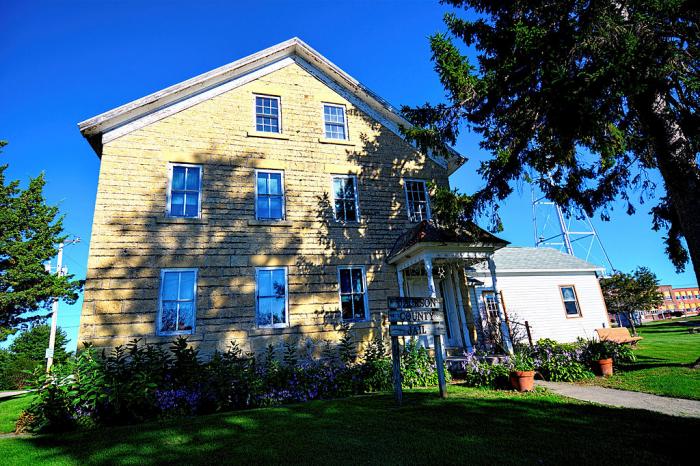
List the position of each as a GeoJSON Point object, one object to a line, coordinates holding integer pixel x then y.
{"type": "Point", "coordinates": [413, 317]}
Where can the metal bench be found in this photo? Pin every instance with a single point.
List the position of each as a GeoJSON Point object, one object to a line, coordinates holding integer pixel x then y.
{"type": "Point", "coordinates": [618, 335]}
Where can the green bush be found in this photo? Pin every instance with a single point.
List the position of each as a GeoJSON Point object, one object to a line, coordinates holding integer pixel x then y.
{"type": "Point", "coordinates": [418, 368]}
{"type": "Point", "coordinates": [480, 373]}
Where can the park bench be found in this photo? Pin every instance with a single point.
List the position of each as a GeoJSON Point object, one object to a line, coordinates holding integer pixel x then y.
{"type": "Point", "coordinates": [618, 335]}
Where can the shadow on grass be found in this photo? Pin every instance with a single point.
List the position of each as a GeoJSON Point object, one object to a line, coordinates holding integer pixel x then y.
{"type": "Point", "coordinates": [471, 426]}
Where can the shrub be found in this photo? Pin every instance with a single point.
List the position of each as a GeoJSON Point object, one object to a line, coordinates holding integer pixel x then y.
{"type": "Point", "coordinates": [481, 373]}
{"type": "Point", "coordinates": [560, 362]}
{"type": "Point", "coordinates": [418, 368]}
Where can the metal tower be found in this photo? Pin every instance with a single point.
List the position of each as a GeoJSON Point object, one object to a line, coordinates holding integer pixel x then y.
{"type": "Point", "coordinates": [575, 236]}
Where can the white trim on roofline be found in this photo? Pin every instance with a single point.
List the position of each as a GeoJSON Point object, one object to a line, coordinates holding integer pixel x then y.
{"type": "Point", "coordinates": [141, 112]}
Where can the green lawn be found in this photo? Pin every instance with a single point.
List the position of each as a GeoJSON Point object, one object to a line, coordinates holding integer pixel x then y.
{"type": "Point", "coordinates": [663, 361]}
{"type": "Point", "coordinates": [10, 409]}
{"type": "Point", "coordinates": [471, 426]}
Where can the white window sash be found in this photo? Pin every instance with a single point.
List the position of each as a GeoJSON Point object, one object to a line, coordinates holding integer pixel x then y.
{"type": "Point", "coordinates": [344, 125]}
{"type": "Point", "coordinates": [409, 210]}
{"type": "Point", "coordinates": [279, 112]}
{"type": "Point", "coordinates": [286, 297]}
{"type": "Point", "coordinates": [169, 192]}
{"type": "Point", "coordinates": [283, 195]}
{"type": "Point", "coordinates": [356, 198]}
{"type": "Point", "coordinates": [351, 294]}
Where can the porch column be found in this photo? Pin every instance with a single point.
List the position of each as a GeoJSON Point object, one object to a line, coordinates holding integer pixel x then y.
{"type": "Point", "coordinates": [399, 278]}
{"type": "Point", "coordinates": [439, 356]}
{"type": "Point", "coordinates": [428, 264]}
{"type": "Point", "coordinates": [460, 303]}
{"type": "Point", "coordinates": [476, 313]}
{"type": "Point", "coordinates": [504, 327]}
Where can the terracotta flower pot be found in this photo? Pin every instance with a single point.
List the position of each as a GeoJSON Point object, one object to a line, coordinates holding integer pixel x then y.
{"type": "Point", "coordinates": [522, 381]}
{"type": "Point", "coordinates": [604, 367]}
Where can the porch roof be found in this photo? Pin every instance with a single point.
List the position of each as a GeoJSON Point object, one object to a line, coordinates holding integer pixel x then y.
{"type": "Point", "coordinates": [428, 234]}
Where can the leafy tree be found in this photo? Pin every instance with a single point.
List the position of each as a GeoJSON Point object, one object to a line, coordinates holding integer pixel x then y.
{"type": "Point", "coordinates": [27, 352]}
{"type": "Point", "coordinates": [29, 232]}
{"type": "Point", "coordinates": [581, 98]}
{"type": "Point", "coordinates": [625, 293]}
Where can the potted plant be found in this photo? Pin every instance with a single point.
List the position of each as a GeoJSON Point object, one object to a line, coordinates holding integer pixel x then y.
{"type": "Point", "coordinates": [522, 372]}
{"type": "Point", "coordinates": [601, 355]}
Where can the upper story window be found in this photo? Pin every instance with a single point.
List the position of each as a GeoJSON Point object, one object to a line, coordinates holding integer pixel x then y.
{"type": "Point", "coordinates": [184, 190]}
{"type": "Point", "coordinates": [334, 121]}
{"type": "Point", "coordinates": [178, 301]}
{"type": "Point", "coordinates": [267, 114]}
{"type": "Point", "coordinates": [568, 295]}
{"type": "Point", "coordinates": [345, 198]}
{"type": "Point", "coordinates": [269, 195]}
{"type": "Point", "coordinates": [271, 296]}
{"type": "Point", "coordinates": [417, 200]}
{"type": "Point", "coordinates": [353, 293]}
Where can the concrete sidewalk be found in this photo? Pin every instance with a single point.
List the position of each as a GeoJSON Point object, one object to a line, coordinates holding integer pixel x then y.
{"type": "Point", "coordinates": [8, 394]}
{"type": "Point", "coordinates": [625, 399]}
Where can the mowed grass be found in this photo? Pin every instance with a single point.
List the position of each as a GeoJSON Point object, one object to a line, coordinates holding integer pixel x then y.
{"type": "Point", "coordinates": [9, 411]}
{"type": "Point", "coordinates": [664, 358]}
{"type": "Point", "coordinates": [472, 426]}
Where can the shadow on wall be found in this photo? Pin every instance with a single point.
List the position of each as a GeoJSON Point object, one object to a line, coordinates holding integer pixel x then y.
{"type": "Point", "coordinates": [133, 241]}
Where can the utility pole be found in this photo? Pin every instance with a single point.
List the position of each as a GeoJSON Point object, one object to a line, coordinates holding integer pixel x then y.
{"type": "Point", "coordinates": [60, 271]}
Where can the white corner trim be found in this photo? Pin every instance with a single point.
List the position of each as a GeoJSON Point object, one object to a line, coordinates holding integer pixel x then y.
{"type": "Point", "coordinates": [188, 102]}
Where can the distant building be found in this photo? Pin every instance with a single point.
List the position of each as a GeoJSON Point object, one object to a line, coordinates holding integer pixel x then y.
{"type": "Point", "coordinates": [684, 300]}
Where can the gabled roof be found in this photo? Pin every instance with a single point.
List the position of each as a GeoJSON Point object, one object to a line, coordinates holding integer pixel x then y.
{"type": "Point", "coordinates": [430, 232]}
{"type": "Point", "coordinates": [513, 259]}
{"type": "Point", "coordinates": [121, 120]}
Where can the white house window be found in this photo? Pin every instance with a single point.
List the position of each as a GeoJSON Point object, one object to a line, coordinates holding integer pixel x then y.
{"type": "Point", "coordinates": [178, 301]}
{"type": "Point", "coordinates": [269, 195]}
{"type": "Point", "coordinates": [353, 293]}
{"type": "Point", "coordinates": [267, 114]}
{"type": "Point", "coordinates": [185, 190]}
{"type": "Point", "coordinates": [271, 297]}
{"type": "Point", "coordinates": [568, 295]}
{"type": "Point", "coordinates": [345, 198]}
{"type": "Point", "coordinates": [417, 200]}
{"type": "Point", "coordinates": [334, 121]}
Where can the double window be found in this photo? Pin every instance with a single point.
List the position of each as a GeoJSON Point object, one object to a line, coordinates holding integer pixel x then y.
{"type": "Point", "coordinates": [353, 293]}
{"type": "Point", "coordinates": [178, 301]}
{"type": "Point", "coordinates": [334, 122]}
{"type": "Point", "coordinates": [267, 114]}
{"type": "Point", "coordinates": [184, 190]}
{"type": "Point", "coordinates": [271, 296]}
{"type": "Point", "coordinates": [345, 198]}
{"type": "Point", "coordinates": [417, 200]}
{"type": "Point", "coordinates": [568, 296]}
{"type": "Point", "coordinates": [269, 195]}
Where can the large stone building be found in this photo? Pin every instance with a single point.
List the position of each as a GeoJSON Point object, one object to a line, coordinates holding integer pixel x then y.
{"type": "Point", "coordinates": [272, 198]}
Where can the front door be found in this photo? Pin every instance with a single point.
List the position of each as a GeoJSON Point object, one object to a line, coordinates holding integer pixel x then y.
{"type": "Point", "coordinates": [453, 339]}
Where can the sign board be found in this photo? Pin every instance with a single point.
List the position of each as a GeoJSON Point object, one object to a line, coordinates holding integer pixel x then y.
{"type": "Point", "coordinates": [413, 303]}
{"type": "Point", "coordinates": [417, 329]}
{"type": "Point", "coordinates": [430, 315]}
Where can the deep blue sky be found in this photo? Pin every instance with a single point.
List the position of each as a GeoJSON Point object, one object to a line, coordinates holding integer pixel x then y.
{"type": "Point", "coordinates": [63, 62]}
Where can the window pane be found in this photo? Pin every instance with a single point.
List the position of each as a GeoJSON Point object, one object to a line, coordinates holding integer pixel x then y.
{"type": "Point", "coordinates": [264, 314]}
{"type": "Point", "coordinates": [275, 207]}
{"type": "Point", "coordinates": [185, 319]}
{"type": "Point", "coordinates": [262, 183]}
{"type": "Point", "coordinates": [263, 208]}
{"type": "Point", "coordinates": [192, 178]}
{"type": "Point", "coordinates": [339, 211]}
{"type": "Point", "coordinates": [568, 294]}
{"type": "Point", "coordinates": [278, 286]}
{"type": "Point", "coordinates": [277, 311]}
{"type": "Point", "coordinates": [264, 283]}
{"type": "Point", "coordinates": [350, 188]}
{"type": "Point", "coordinates": [357, 280]}
{"type": "Point", "coordinates": [178, 178]}
{"type": "Point", "coordinates": [359, 305]}
{"type": "Point", "coordinates": [170, 286]}
{"type": "Point", "coordinates": [177, 204]}
{"type": "Point", "coordinates": [346, 307]}
{"type": "Point", "coordinates": [167, 316]}
{"type": "Point", "coordinates": [186, 285]}
{"type": "Point", "coordinates": [191, 205]}
{"type": "Point", "coordinates": [345, 281]}
{"type": "Point", "coordinates": [571, 308]}
{"type": "Point", "coordinates": [338, 187]}
{"type": "Point", "coordinates": [275, 183]}
{"type": "Point", "coordinates": [350, 213]}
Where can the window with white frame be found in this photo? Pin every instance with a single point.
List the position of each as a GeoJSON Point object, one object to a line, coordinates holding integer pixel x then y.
{"type": "Point", "coordinates": [267, 114]}
{"type": "Point", "coordinates": [269, 195]}
{"type": "Point", "coordinates": [345, 198]}
{"type": "Point", "coordinates": [178, 301]}
{"type": "Point", "coordinates": [184, 190]}
{"type": "Point", "coordinates": [568, 295]}
{"type": "Point", "coordinates": [271, 296]}
{"type": "Point", "coordinates": [353, 293]}
{"type": "Point", "coordinates": [334, 121]}
{"type": "Point", "coordinates": [417, 200]}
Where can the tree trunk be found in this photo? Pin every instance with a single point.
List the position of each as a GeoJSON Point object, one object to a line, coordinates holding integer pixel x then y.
{"type": "Point", "coordinates": [676, 163]}
{"type": "Point", "coordinates": [630, 317]}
